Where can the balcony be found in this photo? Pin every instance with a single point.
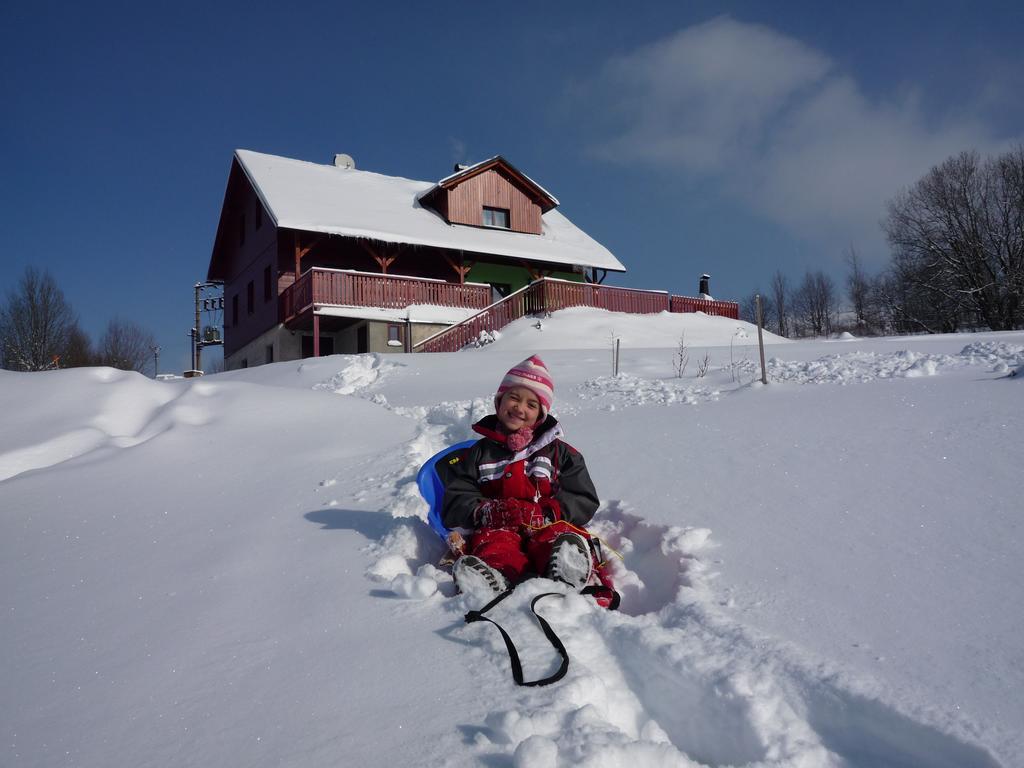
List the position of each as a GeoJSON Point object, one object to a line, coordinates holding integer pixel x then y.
{"type": "Point", "coordinates": [346, 288]}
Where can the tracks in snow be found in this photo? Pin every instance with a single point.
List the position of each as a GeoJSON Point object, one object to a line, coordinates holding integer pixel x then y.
{"type": "Point", "coordinates": [670, 680]}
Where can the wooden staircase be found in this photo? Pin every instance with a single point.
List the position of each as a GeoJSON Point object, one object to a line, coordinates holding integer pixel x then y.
{"type": "Point", "coordinates": [550, 294]}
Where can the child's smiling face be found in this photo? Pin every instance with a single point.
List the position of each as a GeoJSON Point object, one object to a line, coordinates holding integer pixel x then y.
{"type": "Point", "coordinates": [518, 408]}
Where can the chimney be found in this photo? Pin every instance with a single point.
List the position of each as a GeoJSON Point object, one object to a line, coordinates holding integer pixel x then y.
{"type": "Point", "coordinates": [705, 281]}
{"type": "Point", "coordinates": [459, 167]}
{"type": "Point", "coordinates": [344, 161]}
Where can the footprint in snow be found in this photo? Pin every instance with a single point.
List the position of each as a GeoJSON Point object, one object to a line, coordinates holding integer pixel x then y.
{"type": "Point", "coordinates": [669, 680]}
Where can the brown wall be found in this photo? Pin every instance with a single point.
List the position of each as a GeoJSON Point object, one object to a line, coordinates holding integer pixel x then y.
{"type": "Point", "coordinates": [247, 261]}
{"type": "Point", "coordinates": [493, 189]}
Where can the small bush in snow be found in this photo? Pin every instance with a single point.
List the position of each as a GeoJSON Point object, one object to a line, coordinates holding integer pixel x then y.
{"type": "Point", "coordinates": [682, 356]}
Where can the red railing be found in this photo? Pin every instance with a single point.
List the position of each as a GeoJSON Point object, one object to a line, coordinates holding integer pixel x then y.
{"type": "Point", "coordinates": [559, 294]}
{"type": "Point", "coordinates": [363, 289]}
{"type": "Point", "coordinates": [549, 295]}
{"type": "Point", "coordinates": [296, 297]}
{"type": "Point", "coordinates": [514, 306]}
{"type": "Point", "coordinates": [707, 306]}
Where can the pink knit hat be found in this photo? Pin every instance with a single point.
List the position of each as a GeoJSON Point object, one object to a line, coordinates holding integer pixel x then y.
{"type": "Point", "coordinates": [532, 374]}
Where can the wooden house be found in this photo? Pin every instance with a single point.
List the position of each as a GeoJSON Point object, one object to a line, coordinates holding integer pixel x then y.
{"type": "Point", "coordinates": [323, 258]}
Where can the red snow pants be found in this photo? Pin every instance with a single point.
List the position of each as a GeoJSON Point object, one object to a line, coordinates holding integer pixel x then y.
{"type": "Point", "coordinates": [519, 555]}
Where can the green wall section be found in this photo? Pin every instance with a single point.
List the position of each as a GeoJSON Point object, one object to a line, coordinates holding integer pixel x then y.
{"type": "Point", "coordinates": [517, 277]}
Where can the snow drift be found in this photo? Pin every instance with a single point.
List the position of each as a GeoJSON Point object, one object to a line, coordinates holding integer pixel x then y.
{"type": "Point", "coordinates": [236, 570]}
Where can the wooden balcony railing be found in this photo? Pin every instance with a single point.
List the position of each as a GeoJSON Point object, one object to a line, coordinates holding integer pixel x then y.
{"type": "Point", "coordinates": [549, 294]}
{"type": "Point", "coordinates": [729, 309]}
{"type": "Point", "coordinates": [364, 289]}
{"type": "Point", "coordinates": [514, 306]}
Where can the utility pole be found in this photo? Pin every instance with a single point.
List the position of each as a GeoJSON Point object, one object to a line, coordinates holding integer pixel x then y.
{"type": "Point", "coordinates": [156, 360]}
{"type": "Point", "coordinates": [211, 334]}
{"type": "Point", "coordinates": [198, 347]}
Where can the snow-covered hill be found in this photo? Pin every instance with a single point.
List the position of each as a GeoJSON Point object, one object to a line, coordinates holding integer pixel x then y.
{"type": "Point", "coordinates": [235, 571]}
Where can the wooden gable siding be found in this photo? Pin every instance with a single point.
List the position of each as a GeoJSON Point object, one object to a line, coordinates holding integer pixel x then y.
{"type": "Point", "coordinates": [495, 190]}
{"type": "Point", "coordinates": [246, 260]}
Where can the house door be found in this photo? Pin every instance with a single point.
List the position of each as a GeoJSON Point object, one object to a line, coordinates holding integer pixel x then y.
{"type": "Point", "coordinates": [326, 346]}
{"type": "Point", "coordinates": [362, 344]}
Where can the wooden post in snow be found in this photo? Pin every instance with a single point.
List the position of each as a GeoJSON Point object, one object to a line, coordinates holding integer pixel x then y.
{"type": "Point", "coordinates": [760, 336]}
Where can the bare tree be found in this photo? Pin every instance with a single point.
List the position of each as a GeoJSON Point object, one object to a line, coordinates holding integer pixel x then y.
{"type": "Point", "coordinates": [681, 357]}
{"type": "Point", "coordinates": [35, 324]}
{"type": "Point", "coordinates": [858, 289]}
{"type": "Point", "coordinates": [748, 309]}
{"type": "Point", "coordinates": [79, 351]}
{"type": "Point", "coordinates": [126, 345]}
{"type": "Point", "coordinates": [703, 365]}
{"type": "Point", "coordinates": [958, 243]}
{"type": "Point", "coordinates": [780, 303]}
{"type": "Point", "coordinates": [814, 304]}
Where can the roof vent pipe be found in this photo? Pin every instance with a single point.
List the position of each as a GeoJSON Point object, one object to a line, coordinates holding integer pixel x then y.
{"type": "Point", "coordinates": [344, 161]}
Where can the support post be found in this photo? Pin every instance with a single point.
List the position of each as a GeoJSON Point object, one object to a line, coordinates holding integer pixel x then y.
{"type": "Point", "coordinates": [316, 335]}
{"type": "Point", "coordinates": [460, 269]}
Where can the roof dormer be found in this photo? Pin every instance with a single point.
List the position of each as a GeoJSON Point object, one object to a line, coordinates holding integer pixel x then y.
{"type": "Point", "coordinates": [493, 194]}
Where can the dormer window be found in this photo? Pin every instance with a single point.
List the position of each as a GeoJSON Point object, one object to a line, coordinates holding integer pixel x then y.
{"type": "Point", "coordinates": [496, 217]}
{"type": "Point", "coordinates": [487, 194]}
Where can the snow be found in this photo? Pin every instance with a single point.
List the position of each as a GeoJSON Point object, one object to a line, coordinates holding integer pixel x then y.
{"type": "Point", "coordinates": [415, 313]}
{"type": "Point", "coordinates": [235, 570]}
{"type": "Point", "coordinates": [312, 197]}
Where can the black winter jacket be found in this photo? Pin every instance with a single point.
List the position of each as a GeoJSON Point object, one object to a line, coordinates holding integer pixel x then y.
{"type": "Point", "coordinates": [548, 471]}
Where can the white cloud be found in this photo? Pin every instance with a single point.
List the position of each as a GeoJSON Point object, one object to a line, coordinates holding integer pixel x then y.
{"type": "Point", "coordinates": [777, 125]}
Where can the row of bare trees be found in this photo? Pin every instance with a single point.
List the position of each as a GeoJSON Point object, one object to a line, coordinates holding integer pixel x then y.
{"type": "Point", "coordinates": [957, 240]}
{"type": "Point", "coordinates": [39, 331]}
{"type": "Point", "coordinates": [809, 309]}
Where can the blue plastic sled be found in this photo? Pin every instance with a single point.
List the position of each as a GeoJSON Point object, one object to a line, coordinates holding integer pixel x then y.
{"type": "Point", "coordinates": [431, 488]}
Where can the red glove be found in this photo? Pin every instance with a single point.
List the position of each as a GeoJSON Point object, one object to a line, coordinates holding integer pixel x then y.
{"type": "Point", "coordinates": [509, 513]}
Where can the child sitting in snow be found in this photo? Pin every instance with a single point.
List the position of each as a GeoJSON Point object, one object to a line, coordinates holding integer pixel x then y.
{"type": "Point", "coordinates": [522, 493]}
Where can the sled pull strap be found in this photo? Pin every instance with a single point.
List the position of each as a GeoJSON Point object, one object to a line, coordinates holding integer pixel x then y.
{"type": "Point", "coordinates": [601, 591]}
{"type": "Point", "coordinates": [513, 654]}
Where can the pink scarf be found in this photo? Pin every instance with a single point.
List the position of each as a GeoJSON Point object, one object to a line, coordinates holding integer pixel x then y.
{"type": "Point", "coordinates": [519, 439]}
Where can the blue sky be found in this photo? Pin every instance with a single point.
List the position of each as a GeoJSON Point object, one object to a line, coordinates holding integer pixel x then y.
{"type": "Point", "coordinates": [733, 138]}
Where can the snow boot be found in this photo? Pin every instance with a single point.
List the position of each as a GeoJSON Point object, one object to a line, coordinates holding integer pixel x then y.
{"type": "Point", "coordinates": [570, 561]}
{"type": "Point", "coordinates": [475, 577]}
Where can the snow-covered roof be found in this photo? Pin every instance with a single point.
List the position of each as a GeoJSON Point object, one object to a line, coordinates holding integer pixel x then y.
{"type": "Point", "coordinates": [323, 198]}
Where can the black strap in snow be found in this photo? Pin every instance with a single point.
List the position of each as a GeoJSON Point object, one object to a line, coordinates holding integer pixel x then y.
{"type": "Point", "coordinates": [513, 655]}
{"type": "Point", "coordinates": [600, 590]}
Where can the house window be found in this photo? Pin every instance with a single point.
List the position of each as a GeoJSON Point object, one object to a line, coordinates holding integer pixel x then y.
{"type": "Point", "coordinates": [394, 335]}
{"type": "Point", "coordinates": [250, 297]}
{"type": "Point", "coordinates": [270, 353]}
{"type": "Point", "coordinates": [245, 362]}
{"type": "Point", "coordinates": [241, 230]}
{"type": "Point", "coordinates": [267, 293]}
{"type": "Point", "coordinates": [234, 309]}
{"type": "Point", "coordinates": [496, 217]}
